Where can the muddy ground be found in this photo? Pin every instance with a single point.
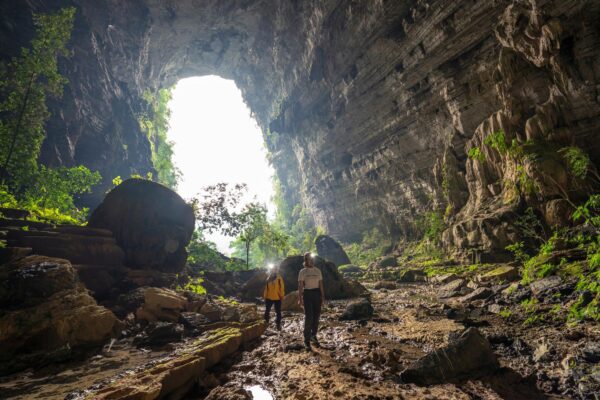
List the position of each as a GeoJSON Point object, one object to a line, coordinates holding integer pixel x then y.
{"type": "Point", "coordinates": [357, 360]}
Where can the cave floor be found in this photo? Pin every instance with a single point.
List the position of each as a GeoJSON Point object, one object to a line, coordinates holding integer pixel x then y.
{"type": "Point", "coordinates": [362, 359]}
{"type": "Point", "coordinates": [357, 359]}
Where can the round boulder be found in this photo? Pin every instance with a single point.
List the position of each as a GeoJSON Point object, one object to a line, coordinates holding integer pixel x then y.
{"type": "Point", "coordinates": [331, 250]}
{"type": "Point", "coordinates": [152, 224]}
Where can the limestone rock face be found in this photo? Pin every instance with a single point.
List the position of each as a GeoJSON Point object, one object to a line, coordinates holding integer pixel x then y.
{"type": "Point", "coordinates": [369, 109]}
{"type": "Point", "coordinates": [46, 311]}
{"type": "Point", "coordinates": [150, 222]}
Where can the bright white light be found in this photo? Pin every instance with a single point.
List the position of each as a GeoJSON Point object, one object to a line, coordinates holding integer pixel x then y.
{"type": "Point", "coordinates": [270, 266]}
{"type": "Point", "coordinates": [216, 140]}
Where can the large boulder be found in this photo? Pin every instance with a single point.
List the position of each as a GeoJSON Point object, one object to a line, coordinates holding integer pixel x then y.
{"type": "Point", "coordinates": [290, 302]}
{"type": "Point", "coordinates": [331, 250]}
{"type": "Point", "coordinates": [468, 357]}
{"type": "Point", "coordinates": [357, 310]}
{"type": "Point", "coordinates": [336, 287]}
{"type": "Point", "coordinates": [152, 224]}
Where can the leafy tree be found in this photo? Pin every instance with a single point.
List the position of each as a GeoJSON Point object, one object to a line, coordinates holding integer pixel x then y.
{"type": "Point", "coordinates": [252, 222]}
{"type": "Point", "coordinates": [156, 126]}
{"type": "Point", "coordinates": [24, 85]}
{"type": "Point", "coordinates": [215, 209]}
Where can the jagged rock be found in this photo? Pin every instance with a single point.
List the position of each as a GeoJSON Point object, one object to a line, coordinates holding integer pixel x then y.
{"type": "Point", "coordinates": [290, 302]}
{"type": "Point", "coordinates": [504, 273]}
{"type": "Point", "coordinates": [336, 287]}
{"type": "Point", "coordinates": [350, 269]}
{"type": "Point", "coordinates": [452, 289]}
{"type": "Point", "coordinates": [481, 293]}
{"type": "Point", "coordinates": [542, 285]}
{"type": "Point", "coordinates": [389, 285]}
{"type": "Point", "coordinates": [468, 357]}
{"type": "Point", "coordinates": [69, 318]}
{"type": "Point", "coordinates": [193, 320]}
{"type": "Point", "coordinates": [229, 392]}
{"type": "Point", "coordinates": [150, 222]}
{"type": "Point", "coordinates": [591, 352]}
{"type": "Point", "coordinates": [255, 286]}
{"type": "Point", "coordinates": [444, 278]}
{"type": "Point", "coordinates": [161, 305]}
{"type": "Point", "coordinates": [387, 261]}
{"type": "Point", "coordinates": [175, 376]}
{"type": "Point", "coordinates": [331, 250]}
{"type": "Point", "coordinates": [160, 333]}
{"type": "Point", "coordinates": [31, 280]}
{"type": "Point", "coordinates": [412, 275]}
{"type": "Point", "coordinates": [361, 309]}
{"type": "Point", "coordinates": [212, 312]}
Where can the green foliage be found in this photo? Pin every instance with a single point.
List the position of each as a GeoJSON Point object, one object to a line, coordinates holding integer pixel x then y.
{"type": "Point", "coordinates": [497, 140]}
{"type": "Point", "coordinates": [50, 194]}
{"type": "Point", "coordinates": [589, 211]}
{"type": "Point", "coordinates": [518, 249]}
{"type": "Point", "coordinates": [156, 125]}
{"type": "Point", "coordinates": [434, 226]}
{"type": "Point", "coordinates": [373, 245]}
{"type": "Point", "coordinates": [475, 153]}
{"type": "Point", "coordinates": [24, 84]}
{"type": "Point", "coordinates": [577, 160]}
{"type": "Point", "coordinates": [505, 313]}
{"type": "Point", "coordinates": [193, 285]}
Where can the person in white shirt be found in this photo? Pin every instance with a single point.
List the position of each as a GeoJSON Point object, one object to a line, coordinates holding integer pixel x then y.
{"type": "Point", "coordinates": [311, 296]}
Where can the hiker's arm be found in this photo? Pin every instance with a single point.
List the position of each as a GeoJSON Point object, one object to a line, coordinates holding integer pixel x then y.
{"type": "Point", "coordinates": [322, 291]}
{"type": "Point", "coordinates": [300, 292]}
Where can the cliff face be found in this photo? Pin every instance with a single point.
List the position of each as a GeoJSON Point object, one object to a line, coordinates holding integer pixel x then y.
{"type": "Point", "coordinates": [368, 107]}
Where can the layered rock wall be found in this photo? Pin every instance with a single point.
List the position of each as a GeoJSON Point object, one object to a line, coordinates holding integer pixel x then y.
{"type": "Point", "coordinates": [368, 107]}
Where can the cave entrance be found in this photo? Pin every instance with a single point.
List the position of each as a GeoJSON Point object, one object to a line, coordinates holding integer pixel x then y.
{"type": "Point", "coordinates": [216, 139]}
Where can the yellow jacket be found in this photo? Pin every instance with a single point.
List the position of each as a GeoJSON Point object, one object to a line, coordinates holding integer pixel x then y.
{"type": "Point", "coordinates": [274, 290]}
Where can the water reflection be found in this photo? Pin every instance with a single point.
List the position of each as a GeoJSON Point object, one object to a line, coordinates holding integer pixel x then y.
{"type": "Point", "coordinates": [259, 393]}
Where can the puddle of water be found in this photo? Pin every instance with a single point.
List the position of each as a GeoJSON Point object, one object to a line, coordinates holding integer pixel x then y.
{"type": "Point", "coordinates": [259, 393]}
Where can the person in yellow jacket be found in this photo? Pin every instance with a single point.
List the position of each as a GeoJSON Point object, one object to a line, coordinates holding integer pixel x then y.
{"type": "Point", "coordinates": [273, 294]}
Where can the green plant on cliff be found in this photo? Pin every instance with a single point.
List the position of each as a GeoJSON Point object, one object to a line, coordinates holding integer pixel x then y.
{"type": "Point", "coordinates": [475, 153]}
{"type": "Point", "coordinates": [374, 244]}
{"type": "Point", "coordinates": [155, 123]}
{"type": "Point", "coordinates": [25, 83]}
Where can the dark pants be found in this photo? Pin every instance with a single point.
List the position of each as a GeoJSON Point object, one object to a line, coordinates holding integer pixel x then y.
{"type": "Point", "coordinates": [312, 312]}
{"type": "Point", "coordinates": [268, 304]}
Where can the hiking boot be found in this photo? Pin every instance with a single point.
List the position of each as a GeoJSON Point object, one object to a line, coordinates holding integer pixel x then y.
{"type": "Point", "coordinates": [279, 327]}
{"type": "Point", "coordinates": [307, 347]}
{"type": "Point", "coordinates": [315, 341]}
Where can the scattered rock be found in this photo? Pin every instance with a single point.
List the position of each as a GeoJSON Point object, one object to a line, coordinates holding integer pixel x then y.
{"type": "Point", "coordinates": [159, 334]}
{"type": "Point", "coordinates": [387, 261]}
{"type": "Point", "coordinates": [545, 284]}
{"type": "Point", "coordinates": [229, 392]}
{"type": "Point", "coordinates": [591, 352]}
{"type": "Point", "coordinates": [452, 289]}
{"type": "Point", "coordinates": [468, 357]}
{"type": "Point", "coordinates": [444, 278]}
{"type": "Point", "coordinates": [504, 273]}
{"type": "Point", "coordinates": [161, 305]}
{"type": "Point", "coordinates": [543, 352]}
{"type": "Point", "coordinates": [331, 250]}
{"type": "Point", "coordinates": [361, 309]}
{"type": "Point", "coordinates": [389, 285]}
{"type": "Point", "coordinates": [412, 275]}
{"type": "Point", "coordinates": [212, 312]}
{"type": "Point", "coordinates": [193, 320]}
{"type": "Point", "coordinates": [151, 223]}
{"type": "Point", "coordinates": [290, 302]}
{"type": "Point", "coordinates": [350, 269]}
{"type": "Point", "coordinates": [481, 293]}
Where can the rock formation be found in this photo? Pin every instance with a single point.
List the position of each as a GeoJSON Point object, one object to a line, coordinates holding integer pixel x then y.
{"type": "Point", "coordinates": [368, 108]}
{"type": "Point", "coordinates": [150, 222]}
{"type": "Point", "coordinates": [331, 250]}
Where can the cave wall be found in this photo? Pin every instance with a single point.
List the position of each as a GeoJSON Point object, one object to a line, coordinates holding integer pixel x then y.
{"type": "Point", "coordinates": [368, 107]}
